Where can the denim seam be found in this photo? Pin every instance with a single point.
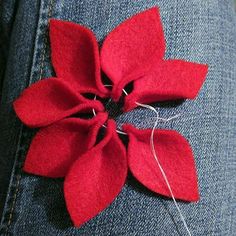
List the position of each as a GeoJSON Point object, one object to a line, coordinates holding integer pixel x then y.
{"type": "Point", "coordinates": [18, 167]}
{"type": "Point", "coordinates": [15, 178]}
{"type": "Point", "coordinates": [18, 177]}
{"type": "Point", "coordinates": [45, 40]}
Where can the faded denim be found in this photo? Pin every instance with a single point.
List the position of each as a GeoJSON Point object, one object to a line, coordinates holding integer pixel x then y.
{"type": "Point", "coordinates": [196, 30]}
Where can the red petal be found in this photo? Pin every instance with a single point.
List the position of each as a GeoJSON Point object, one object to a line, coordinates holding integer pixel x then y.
{"type": "Point", "coordinates": [168, 80]}
{"type": "Point", "coordinates": [50, 100]}
{"type": "Point", "coordinates": [56, 147]}
{"type": "Point", "coordinates": [75, 56]}
{"type": "Point", "coordinates": [130, 48]}
{"type": "Point", "coordinates": [96, 178]}
{"type": "Point", "coordinates": [175, 156]}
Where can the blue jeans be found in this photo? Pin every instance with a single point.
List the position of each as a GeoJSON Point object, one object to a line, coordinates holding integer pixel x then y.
{"type": "Point", "coordinates": [195, 30]}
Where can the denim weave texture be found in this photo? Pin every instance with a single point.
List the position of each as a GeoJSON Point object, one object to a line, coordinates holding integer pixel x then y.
{"type": "Point", "coordinates": [195, 30]}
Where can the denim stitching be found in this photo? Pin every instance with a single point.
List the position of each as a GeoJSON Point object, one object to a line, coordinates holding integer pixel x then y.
{"type": "Point", "coordinates": [45, 40]}
{"type": "Point", "coordinates": [18, 177]}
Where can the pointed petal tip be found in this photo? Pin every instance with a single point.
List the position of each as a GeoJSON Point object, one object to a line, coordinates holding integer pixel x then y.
{"type": "Point", "coordinates": [196, 198]}
{"type": "Point", "coordinates": [133, 41]}
{"type": "Point", "coordinates": [72, 47]}
{"type": "Point", "coordinates": [176, 158]}
{"type": "Point", "coordinates": [18, 107]}
{"type": "Point", "coordinates": [205, 68]}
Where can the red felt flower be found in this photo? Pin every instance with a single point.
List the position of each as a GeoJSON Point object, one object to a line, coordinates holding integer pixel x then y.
{"type": "Point", "coordinates": [66, 144]}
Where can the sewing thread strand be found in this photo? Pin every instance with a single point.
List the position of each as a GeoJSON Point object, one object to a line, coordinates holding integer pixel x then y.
{"type": "Point", "coordinates": [154, 151]}
{"type": "Point", "coordinates": [158, 162]}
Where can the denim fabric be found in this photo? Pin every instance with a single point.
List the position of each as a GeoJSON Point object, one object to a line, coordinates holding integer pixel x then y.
{"type": "Point", "coordinates": [17, 35]}
{"type": "Point", "coordinates": [195, 30]}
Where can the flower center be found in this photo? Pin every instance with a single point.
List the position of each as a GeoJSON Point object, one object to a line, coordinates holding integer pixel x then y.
{"type": "Point", "coordinates": [114, 109]}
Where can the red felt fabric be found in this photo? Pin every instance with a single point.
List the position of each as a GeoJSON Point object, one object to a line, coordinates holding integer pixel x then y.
{"type": "Point", "coordinates": [65, 146]}
{"type": "Point", "coordinates": [75, 56]}
{"type": "Point", "coordinates": [130, 49]}
{"type": "Point", "coordinates": [167, 80]}
{"type": "Point", "coordinates": [50, 100]}
{"type": "Point", "coordinates": [96, 178]}
{"type": "Point", "coordinates": [56, 147]}
{"type": "Point", "coordinates": [175, 156]}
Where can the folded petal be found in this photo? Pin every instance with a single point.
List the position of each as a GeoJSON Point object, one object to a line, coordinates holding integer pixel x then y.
{"type": "Point", "coordinates": [50, 100]}
{"type": "Point", "coordinates": [75, 56]}
{"type": "Point", "coordinates": [175, 156]}
{"type": "Point", "coordinates": [167, 80]}
{"type": "Point", "coordinates": [56, 147]}
{"type": "Point", "coordinates": [96, 178]}
{"type": "Point", "coordinates": [129, 50]}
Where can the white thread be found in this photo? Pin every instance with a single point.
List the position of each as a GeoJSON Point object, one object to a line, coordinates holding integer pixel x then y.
{"type": "Point", "coordinates": [158, 162]}
{"type": "Point", "coordinates": [94, 112]}
{"type": "Point", "coordinates": [154, 151]}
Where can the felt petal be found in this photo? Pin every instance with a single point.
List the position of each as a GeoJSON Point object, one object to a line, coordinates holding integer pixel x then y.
{"type": "Point", "coordinates": [129, 50]}
{"type": "Point", "coordinates": [56, 147]}
{"type": "Point", "coordinates": [50, 100]}
{"type": "Point", "coordinates": [168, 80]}
{"type": "Point", "coordinates": [175, 156]}
{"type": "Point", "coordinates": [96, 178]}
{"type": "Point", "coordinates": [75, 56]}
